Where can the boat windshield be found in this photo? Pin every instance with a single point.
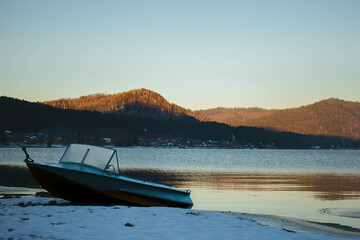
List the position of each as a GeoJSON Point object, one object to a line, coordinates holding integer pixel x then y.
{"type": "Point", "coordinates": [99, 157]}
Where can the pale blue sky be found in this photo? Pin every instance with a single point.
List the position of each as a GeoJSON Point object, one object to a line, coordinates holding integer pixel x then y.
{"type": "Point", "coordinates": [197, 54]}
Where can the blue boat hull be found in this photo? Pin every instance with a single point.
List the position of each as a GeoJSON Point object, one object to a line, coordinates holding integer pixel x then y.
{"type": "Point", "coordinates": [88, 187]}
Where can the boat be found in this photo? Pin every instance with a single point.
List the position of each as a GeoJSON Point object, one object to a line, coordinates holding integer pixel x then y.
{"type": "Point", "coordinates": [89, 174]}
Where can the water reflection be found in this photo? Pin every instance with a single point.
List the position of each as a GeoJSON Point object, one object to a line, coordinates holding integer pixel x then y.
{"type": "Point", "coordinates": [299, 195]}
{"type": "Point", "coordinates": [322, 186]}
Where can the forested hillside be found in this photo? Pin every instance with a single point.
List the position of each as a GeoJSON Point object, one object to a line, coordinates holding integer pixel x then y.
{"type": "Point", "coordinates": [231, 116]}
{"type": "Point", "coordinates": [23, 118]}
{"type": "Point", "coordinates": [139, 103]}
{"type": "Point", "coordinates": [331, 117]}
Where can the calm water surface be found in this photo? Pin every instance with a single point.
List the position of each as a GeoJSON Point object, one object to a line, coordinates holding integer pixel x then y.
{"type": "Point", "coordinates": [320, 185]}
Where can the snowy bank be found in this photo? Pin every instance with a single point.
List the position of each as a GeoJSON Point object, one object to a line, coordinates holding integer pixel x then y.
{"type": "Point", "coordinates": [49, 218]}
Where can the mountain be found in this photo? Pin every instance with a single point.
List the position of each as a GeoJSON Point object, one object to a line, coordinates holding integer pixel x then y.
{"type": "Point", "coordinates": [22, 119]}
{"type": "Point", "coordinates": [331, 117]}
{"type": "Point", "coordinates": [19, 116]}
{"type": "Point", "coordinates": [141, 103]}
{"type": "Point", "coordinates": [231, 116]}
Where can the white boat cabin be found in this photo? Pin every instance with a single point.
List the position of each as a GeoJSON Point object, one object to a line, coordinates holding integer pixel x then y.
{"type": "Point", "coordinates": [105, 159]}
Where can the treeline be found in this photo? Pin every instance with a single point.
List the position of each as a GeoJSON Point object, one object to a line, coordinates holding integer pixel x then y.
{"type": "Point", "coordinates": [22, 116]}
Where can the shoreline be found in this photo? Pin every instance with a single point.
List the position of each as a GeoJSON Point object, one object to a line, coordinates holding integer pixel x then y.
{"type": "Point", "coordinates": [301, 225]}
{"type": "Point", "coordinates": [17, 176]}
{"type": "Point", "coordinates": [17, 145]}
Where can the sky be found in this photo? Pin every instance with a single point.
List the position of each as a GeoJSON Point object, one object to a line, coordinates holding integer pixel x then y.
{"type": "Point", "coordinates": [197, 54]}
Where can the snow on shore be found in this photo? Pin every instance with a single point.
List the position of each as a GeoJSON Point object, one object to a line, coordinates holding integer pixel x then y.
{"type": "Point", "coordinates": [45, 218]}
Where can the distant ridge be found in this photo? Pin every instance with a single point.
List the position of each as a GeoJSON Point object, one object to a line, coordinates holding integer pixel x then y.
{"type": "Point", "coordinates": [330, 117]}
{"type": "Point", "coordinates": [142, 103]}
{"type": "Point", "coordinates": [232, 116]}
{"type": "Point", "coordinates": [23, 121]}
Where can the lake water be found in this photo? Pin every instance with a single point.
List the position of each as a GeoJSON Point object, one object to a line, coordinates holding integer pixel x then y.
{"type": "Point", "coordinates": [317, 185]}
